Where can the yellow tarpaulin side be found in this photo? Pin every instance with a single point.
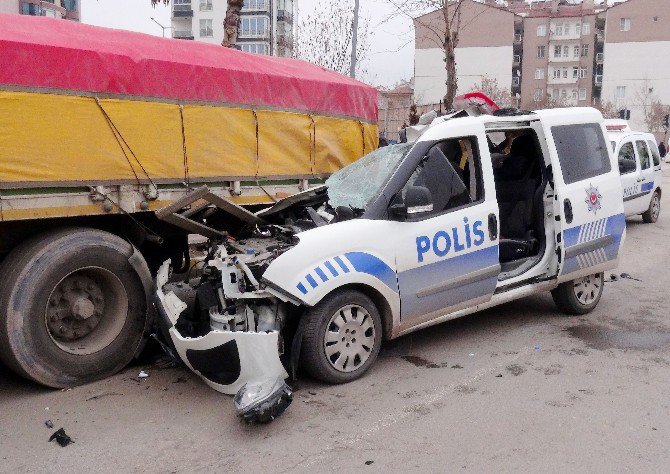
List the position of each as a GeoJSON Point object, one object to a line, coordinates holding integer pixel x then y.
{"type": "Point", "coordinates": [284, 143]}
{"type": "Point", "coordinates": [220, 141]}
{"type": "Point", "coordinates": [47, 137]}
{"type": "Point", "coordinates": [61, 139]}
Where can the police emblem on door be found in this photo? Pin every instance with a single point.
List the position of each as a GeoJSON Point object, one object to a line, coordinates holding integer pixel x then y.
{"type": "Point", "coordinates": [592, 200]}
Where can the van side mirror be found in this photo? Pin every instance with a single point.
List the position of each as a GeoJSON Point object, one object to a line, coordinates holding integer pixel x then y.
{"type": "Point", "coordinates": [418, 200]}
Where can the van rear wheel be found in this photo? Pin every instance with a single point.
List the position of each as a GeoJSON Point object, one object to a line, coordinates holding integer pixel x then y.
{"type": "Point", "coordinates": [579, 296]}
{"type": "Point", "coordinates": [651, 215]}
{"type": "Point", "coordinates": [73, 309]}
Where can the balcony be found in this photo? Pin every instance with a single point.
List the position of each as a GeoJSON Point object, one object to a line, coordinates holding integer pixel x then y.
{"type": "Point", "coordinates": [182, 10]}
{"type": "Point", "coordinates": [516, 60]}
{"type": "Point", "coordinates": [183, 34]}
{"type": "Point", "coordinates": [598, 81]}
{"type": "Point", "coordinates": [600, 58]}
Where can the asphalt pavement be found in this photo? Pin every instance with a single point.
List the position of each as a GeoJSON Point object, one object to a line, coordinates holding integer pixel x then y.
{"type": "Point", "coordinates": [517, 387]}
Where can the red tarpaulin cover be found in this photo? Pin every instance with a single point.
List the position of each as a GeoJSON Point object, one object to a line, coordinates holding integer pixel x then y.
{"type": "Point", "coordinates": [47, 53]}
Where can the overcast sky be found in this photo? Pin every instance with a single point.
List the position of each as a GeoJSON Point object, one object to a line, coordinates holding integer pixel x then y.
{"type": "Point", "coordinates": [390, 59]}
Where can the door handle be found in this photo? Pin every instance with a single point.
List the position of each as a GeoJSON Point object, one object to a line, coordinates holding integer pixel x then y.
{"type": "Point", "coordinates": [567, 207]}
{"type": "Point", "coordinates": [493, 227]}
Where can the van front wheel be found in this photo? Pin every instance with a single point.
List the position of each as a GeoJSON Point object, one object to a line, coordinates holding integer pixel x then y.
{"type": "Point", "coordinates": [579, 296]}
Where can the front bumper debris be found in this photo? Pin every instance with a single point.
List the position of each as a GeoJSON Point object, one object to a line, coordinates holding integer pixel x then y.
{"type": "Point", "coordinates": [241, 363]}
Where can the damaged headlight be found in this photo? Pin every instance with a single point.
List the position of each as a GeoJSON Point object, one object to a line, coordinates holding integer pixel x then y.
{"type": "Point", "coordinates": [262, 402]}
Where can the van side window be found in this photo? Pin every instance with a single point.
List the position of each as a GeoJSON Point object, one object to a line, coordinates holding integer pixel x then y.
{"type": "Point", "coordinates": [582, 151]}
{"type": "Point", "coordinates": [654, 153]}
{"type": "Point", "coordinates": [645, 160]}
{"type": "Point", "coordinates": [627, 158]}
{"type": "Point", "coordinates": [451, 171]}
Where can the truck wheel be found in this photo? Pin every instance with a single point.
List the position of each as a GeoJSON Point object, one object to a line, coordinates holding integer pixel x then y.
{"type": "Point", "coordinates": [651, 215]}
{"type": "Point", "coordinates": [341, 337]}
{"type": "Point", "coordinates": [72, 307]}
{"type": "Point", "coordinates": [579, 296]}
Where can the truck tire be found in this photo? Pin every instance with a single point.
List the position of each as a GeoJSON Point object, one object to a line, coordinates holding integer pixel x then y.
{"type": "Point", "coordinates": [579, 296]}
{"type": "Point", "coordinates": [73, 307]}
{"type": "Point", "coordinates": [650, 216]}
{"type": "Point", "coordinates": [342, 336]}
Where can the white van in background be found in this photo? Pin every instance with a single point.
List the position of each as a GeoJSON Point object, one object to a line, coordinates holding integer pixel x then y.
{"type": "Point", "coordinates": [639, 167]}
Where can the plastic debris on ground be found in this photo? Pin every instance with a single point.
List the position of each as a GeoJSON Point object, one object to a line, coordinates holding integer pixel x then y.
{"type": "Point", "coordinates": [49, 424]}
{"type": "Point", "coordinates": [142, 374]}
{"type": "Point", "coordinates": [61, 438]}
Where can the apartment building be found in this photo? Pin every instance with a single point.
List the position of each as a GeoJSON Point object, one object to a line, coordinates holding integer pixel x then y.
{"type": "Point", "coordinates": [266, 26]}
{"type": "Point", "coordinates": [637, 68]}
{"type": "Point", "coordinates": [62, 9]}
{"type": "Point", "coordinates": [562, 54]}
{"type": "Point", "coordinates": [485, 48]}
{"type": "Point", "coordinates": [394, 106]}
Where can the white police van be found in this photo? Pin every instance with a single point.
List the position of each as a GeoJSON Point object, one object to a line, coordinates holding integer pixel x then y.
{"type": "Point", "coordinates": [640, 169]}
{"type": "Point", "coordinates": [409, 236]}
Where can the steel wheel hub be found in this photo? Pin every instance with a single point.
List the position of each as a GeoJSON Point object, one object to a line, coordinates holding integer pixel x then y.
{"type": "Point", "coordinates": [587, 289]}
{"type": "Point", "coordinates": [86, 310]}
{"type": "Point", "coordinates": [349, 338]}
{"type": "Point", "coordinates": [75, 308]}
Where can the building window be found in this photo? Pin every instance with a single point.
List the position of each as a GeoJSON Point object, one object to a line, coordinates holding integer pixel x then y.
{"type": "Point", "coordinates": [555, 94]}
{"type": "Point", "coordinates": [557, 51]}
{"type": "Point", "coordinates": [574, 94]}
{"type": "Point", "coordinates": [565, 73]}
{"type": "Point", "coordinates": [31, 9]}
{"type": "Point", "coordinates": [625, 24]}
{"type": "Point", "coordinates": [575, 71]}
{"type": "Point", "coordinates": [540, 51]}
{"type": "Point", "coordinates": [558, 30]}
{"type": "Point", "coordinates": [566, 51]}
{"type": "Point", "coordinates": [564, 94]}
{"type": "Point", "coordinates": [255, 5]}
{"type": "Point", "coordinates": [582, 94]}
{"type": "Point", "coordinates": [205, 5]}
{"type": "Point", "coordinates": [539, 73]}
{"type": "Point", "coordinates": [620, 92]}
{"type": "Point", "coordinates": [257, 48]}
{"type": "Point", "coordinates": [69, 5]}
{"type": "Point", "coordinates": [557, 73]}
{"type": "Point", "coordinates": [538, 94]}
{"type": "Point", "coordinates": [542, 30]}
{"type": "Point", "coordinates": [566, 29]}
{"type": "Point", "coordinates": [206, 30]}
{"type": "Point", "coordinates": [575, 52]}
{"type": "Point", "coordinates": [582, 72]}
{"type": "Point", "coordinates": [254, 26]}
{"type": "Point", "coordinates": [586, 28]}
{"type": "Point", "coordinates": [585, 50]}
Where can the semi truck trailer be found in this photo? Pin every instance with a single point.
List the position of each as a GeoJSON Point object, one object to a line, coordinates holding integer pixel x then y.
{"type": "Point", "coordinates": [114, 148]}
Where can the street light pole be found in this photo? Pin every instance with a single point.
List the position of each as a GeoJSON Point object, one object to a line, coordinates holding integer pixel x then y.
{"type": "Point", "coordinates": [354, 40]}
{"type": "Point", "coordinates": [163, 27]}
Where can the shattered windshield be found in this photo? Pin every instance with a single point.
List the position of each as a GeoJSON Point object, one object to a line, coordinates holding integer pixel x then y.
{"type": "Point", "coordinates": [355, 185]}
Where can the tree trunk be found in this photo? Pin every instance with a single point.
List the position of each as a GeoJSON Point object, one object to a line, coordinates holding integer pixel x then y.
{"type": "Point", "coordinates": [452, 79]}
{"type": "Point", "coordinates": [231, 23]}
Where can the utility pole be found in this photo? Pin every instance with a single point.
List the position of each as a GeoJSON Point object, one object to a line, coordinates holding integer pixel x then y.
{"type": "Point", "coordinates": [354, 40]}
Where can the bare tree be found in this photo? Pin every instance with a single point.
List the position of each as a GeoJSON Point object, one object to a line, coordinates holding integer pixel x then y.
{"type": "Point", "coordinates": [608, 109]}
{"type": "Point", "coordinates": [325, 37]}
{"type": "Point", "coordinates": [443, 30]}
{"type": "Point", "coordinates": [489, 86]}
{"type": "Point", "coordinates": [652, 108]}
{"type": "Point", "coordinates": [230, 23]}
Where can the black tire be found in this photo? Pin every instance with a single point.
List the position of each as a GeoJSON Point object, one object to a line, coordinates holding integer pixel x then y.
{"type": "Point", "coordinates": [567, 295]}
{"type": "Point", "coordinates": [32, 275]}
{"type": "Point", "coordinates": [315, 324]}
{"type": "Point", "coordinates": [650, 216]}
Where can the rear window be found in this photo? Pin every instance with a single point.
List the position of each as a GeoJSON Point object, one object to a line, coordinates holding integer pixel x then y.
{"type": "Point", "coordinates": [582, 151]}
{"type": "Point", "coordinates": [645, 160]}
{"type": "Point", "coordinates": [654, 153]}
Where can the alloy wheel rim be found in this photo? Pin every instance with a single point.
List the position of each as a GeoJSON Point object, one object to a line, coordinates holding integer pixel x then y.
{"type": "Point", "coordinates": [349, 338]}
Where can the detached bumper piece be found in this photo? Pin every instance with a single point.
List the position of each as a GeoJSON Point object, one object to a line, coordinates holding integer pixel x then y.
{"type": "Point", "coordinates": [262, 402]}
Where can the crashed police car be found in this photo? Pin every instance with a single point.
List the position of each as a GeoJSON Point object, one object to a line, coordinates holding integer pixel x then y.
{"type": "Point", "coordinates": [478, 211]}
